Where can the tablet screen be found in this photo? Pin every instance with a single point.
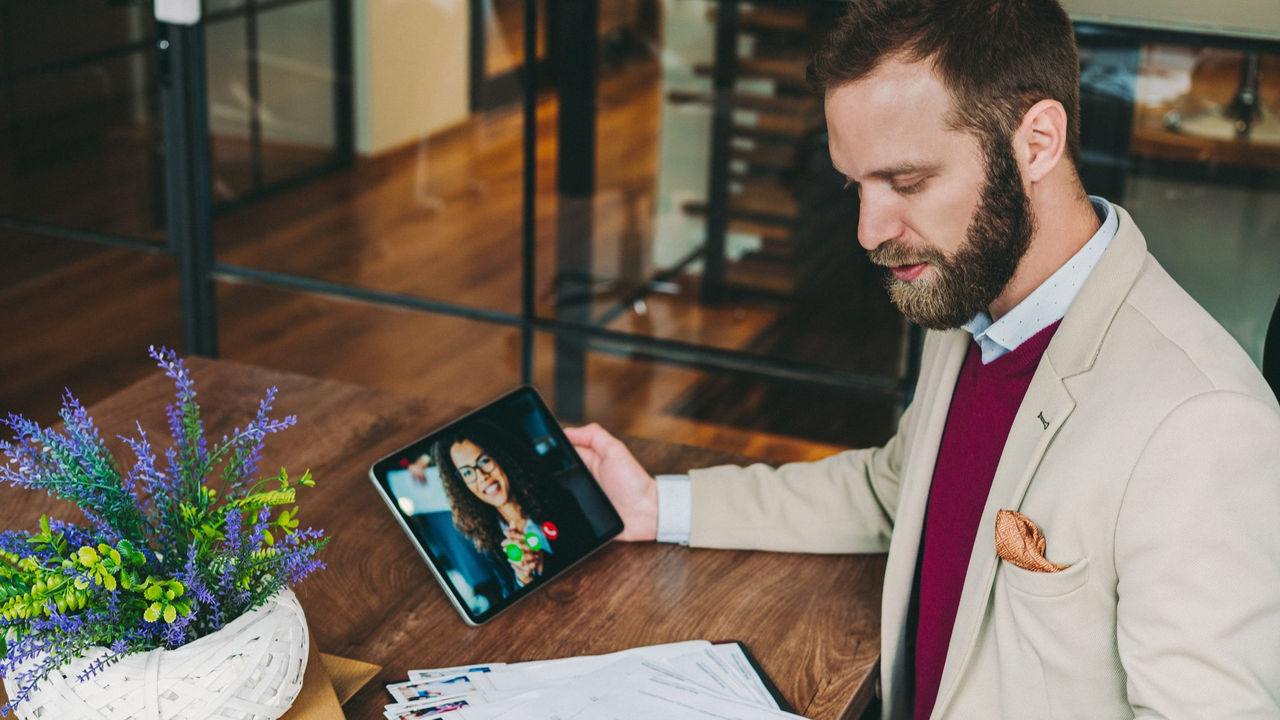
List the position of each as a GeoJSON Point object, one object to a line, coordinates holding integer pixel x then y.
{"type": "Point", "coordinates": [497, 502]}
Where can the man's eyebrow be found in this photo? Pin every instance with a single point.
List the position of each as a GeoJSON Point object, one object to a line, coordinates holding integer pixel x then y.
{"type": "Point", "coordinates": [893, 171]}
{"type": "Point", "coordinates": [904, 168]}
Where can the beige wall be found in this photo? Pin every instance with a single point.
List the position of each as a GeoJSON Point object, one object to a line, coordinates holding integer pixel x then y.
{"type": "Point", "coordinates": [410, 70]}
{"type": "Point", "coordinates": [1252, 18]}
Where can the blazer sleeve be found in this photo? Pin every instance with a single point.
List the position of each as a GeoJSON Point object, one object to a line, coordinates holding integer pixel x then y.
{"type": "Point", "coordinates": [1197, 552]}
{"type": "Point", "coordinates": [842, 504]}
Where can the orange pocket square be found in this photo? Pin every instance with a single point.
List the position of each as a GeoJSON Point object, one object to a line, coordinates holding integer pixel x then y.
{"type": "Point", "coordinates": [1020, 542]}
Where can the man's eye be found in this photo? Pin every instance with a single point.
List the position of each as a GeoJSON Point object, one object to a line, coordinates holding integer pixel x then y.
{"type": "Point", "coordinates": [910, 189]}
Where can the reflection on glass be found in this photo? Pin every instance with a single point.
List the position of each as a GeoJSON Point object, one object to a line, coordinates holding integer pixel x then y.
{"type": "Point", "coordinates": [450, 360]}
{"type": "Point", "coordinates": [504, 35]}
{"type": "Point", "coordinates": [214, 7]}
{"type": "Point", "coordinates": [230, 109]}
{"type": "Point", "coordinates": [83, 28]}
{"type": "Point", "coordinates": [272, 95]}
{"type": "Point", "coordinates": [297, 83]}
{"type": "Point", "coordinates": [79, 316]}
{"type": "Point", "coordinates": [789, 282]}
{"type": "Point", "coordinates": [778, 419]}
{"type": "Point", "coordinates": [1191, 137]}
{"type": "Point", "coordinates": [432, 205]}
{"type": "Point", "coordinates": [81, 147]}
{"type": "Point", "coordinates": [1208, 105]}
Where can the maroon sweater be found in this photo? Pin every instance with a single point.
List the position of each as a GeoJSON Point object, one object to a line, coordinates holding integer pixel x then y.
{"type": "Point", "coordinates": [982, 409]}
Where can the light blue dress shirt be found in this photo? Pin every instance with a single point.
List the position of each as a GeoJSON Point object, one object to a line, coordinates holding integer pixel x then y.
{"type": "Point", "coordinates": [1048, 303]}
{"type": "Point", "coordinates": [1045, 306]}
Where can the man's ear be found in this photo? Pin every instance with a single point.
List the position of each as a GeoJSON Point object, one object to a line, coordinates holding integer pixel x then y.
{"type": "Point", "coordinates": [1041, 139]}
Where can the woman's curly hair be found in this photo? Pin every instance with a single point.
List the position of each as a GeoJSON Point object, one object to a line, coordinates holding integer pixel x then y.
{"type": "Point", "coordinates": [474, 518]}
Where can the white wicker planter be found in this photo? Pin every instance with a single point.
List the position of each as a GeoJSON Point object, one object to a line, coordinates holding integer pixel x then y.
{"type": "Point", "coordinates": [251, 669]}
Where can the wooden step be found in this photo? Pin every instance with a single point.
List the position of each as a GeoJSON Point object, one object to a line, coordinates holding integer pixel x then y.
{"type": "Point", "coordinates": [777, 239]}
{"type": "Point", "coordinates": [761, 276]}
{"type": "Point", "coordinates": [787, 70]}
{"type": "Point", "coordinates": [795, 126]}
{"type": "Point", "coordinates": [769, 19]}
{"type": "Point", "coordinates": [768, 155]}
{"type": "Point", "coordinates": [776, 233]}
{"type": "Point", "coordinates": [782, 104]}
{"type": "Point", "coordinates": [698, 208]}
{"type": "Point", "coordinates": [790, 19]}
{"type": "Point", "coordinates": [756, 197]}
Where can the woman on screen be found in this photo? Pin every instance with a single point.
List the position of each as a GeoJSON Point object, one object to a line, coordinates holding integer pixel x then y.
{"type": "Point", "coordinates": [501, 502]}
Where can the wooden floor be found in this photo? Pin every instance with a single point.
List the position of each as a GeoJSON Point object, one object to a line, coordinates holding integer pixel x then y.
{"type": "Point", "coordinates": [441, 220]}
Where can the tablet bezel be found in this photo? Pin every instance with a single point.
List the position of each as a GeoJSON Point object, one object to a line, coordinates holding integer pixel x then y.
{"type": "Point", "coordinates": [378, 475]}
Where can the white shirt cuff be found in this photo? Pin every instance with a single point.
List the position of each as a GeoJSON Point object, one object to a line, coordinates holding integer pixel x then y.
{"type": "Point", "coordinates": [675, 508]}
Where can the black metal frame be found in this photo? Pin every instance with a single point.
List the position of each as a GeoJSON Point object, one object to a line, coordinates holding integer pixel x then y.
{"type": "Point", "coordinates": [185, 117]}
{"type": "Point", "coordinates": [343, 154]}
{"type": "Point", "coordinates": [344, 140]}
{"type": "Point", "coordinates": [488, 93]}
{"type": "Point", "coordinates": [574, 331]}
{"type": "Point", "coordinates": [723, 78]}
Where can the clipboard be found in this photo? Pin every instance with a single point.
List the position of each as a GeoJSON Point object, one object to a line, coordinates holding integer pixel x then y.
{"type": "Point", "coordinates": [769, 686]}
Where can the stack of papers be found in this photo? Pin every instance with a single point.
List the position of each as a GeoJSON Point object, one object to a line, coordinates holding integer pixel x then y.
{"type": "Point", "coordinates": [694, 679]}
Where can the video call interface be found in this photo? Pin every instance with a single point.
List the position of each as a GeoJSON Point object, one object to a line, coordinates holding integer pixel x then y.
{"type": "Point", "coordinates": [499, 500]}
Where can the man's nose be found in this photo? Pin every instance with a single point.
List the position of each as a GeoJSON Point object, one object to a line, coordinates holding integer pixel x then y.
{"type": "Point", "coordinates": [879, 221]}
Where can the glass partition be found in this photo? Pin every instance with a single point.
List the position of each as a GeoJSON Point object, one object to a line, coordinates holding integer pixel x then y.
{"type": "Point", "coordinates": [638, 215]}
{"type": "Point", "coordinates": [1181, 129]}
{"type": "Point", "coordinates": [702, 224]}
{"type": "Point", "coordinates": [79, 127]}
{"type": "Point", "coordinates": [81, 177]}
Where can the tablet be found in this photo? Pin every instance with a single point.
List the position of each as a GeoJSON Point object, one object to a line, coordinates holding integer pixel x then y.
{"type": "Point", "coordinates": [497, 503]}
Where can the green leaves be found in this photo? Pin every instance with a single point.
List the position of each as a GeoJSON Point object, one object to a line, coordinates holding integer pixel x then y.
{"type": "Point", "coordinates": [48, 540]}
{"type": "Point", "coordinates": [165, 600]}
{"type": "Point", "coordinates": [104, 563]}
{"type": "Point", "coordinates": [39, 592]}
{"type": "Point", "coordinates": [288, 520]}
{"type": "Point", "coordinates": [265, 498]}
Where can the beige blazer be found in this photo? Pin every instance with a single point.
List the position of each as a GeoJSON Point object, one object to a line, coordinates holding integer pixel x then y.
{"type": "Point", "coordinates": [1147, 449]}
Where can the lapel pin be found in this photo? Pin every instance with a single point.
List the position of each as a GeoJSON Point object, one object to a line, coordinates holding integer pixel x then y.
{"type": "Point", "coordinates": [1043, 422]}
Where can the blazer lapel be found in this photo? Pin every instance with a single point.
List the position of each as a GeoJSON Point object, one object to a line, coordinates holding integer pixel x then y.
{"type": "Point", "coordinates": [939, 370]}
{"type": "Point", "coordinates": [1044, 408]}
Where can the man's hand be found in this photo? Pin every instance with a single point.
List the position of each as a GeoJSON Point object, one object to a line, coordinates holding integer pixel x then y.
{"type": "Point", "coordinates": [631, 490]}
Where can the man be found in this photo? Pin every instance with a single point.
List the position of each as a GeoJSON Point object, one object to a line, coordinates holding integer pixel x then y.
{"type": "Point", "coordinates": [1065, 378]}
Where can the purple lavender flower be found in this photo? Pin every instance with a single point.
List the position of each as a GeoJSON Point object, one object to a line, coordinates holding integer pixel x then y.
{"type": "Point", "coordinates": [184, 417]}
{"type": "Point", "coordinates": [145, 475]}
{"type": "Point", "coordinates": [299, 559]}
{"type": "Point", "coordinates": [258, 534]}
{"type": "Point", "coordinates": [14, 541]}
{"type": "Point", "coordinates": [246, 445]}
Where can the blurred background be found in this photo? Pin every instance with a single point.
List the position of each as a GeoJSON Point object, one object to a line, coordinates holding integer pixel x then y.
{"type": "Point", "coordinates": [678, 261]}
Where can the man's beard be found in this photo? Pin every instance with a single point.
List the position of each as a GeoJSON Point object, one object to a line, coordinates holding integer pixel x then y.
{"type": "Point", "coordinates": [994, 243]}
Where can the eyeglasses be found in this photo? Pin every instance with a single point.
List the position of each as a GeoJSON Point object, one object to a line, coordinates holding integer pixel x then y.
{"type": "Point", "coordinates": [471, 473]}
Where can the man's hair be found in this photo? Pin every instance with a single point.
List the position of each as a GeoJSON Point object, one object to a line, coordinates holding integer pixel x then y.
{"type": "Point", "coordinates": [997, 57]}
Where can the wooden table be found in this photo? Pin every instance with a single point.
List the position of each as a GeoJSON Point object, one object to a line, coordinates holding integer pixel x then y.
{"type": "Point", "coordinates": [812, 621]}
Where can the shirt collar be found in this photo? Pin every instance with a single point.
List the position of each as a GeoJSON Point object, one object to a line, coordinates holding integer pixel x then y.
{"type": "Point", "coordinates": [1048, 303]}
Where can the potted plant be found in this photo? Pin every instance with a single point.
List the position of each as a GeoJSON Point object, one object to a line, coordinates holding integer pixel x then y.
{"type": "Point", "coordinates": [173, 595]}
